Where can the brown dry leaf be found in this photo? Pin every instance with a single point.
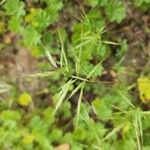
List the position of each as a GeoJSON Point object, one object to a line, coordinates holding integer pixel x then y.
{"type": "Point", "coordinates": [25, 62]}
{"type": "Point", "coordinates": [63, 147]}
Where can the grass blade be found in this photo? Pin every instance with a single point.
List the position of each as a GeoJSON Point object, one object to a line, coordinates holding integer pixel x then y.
{"type": "Point", "coordinates": [63, 54]}
{"type": "Point", "coordinates": [79, 102]}
{"type": "Point", "coordinates": [50, 58]}
{"type": "Point", "coordinates": [93, 70]}
{"type": "Point", "coordinates": [4, 87]}
{"type": "Point", "coordinates": [40, 74]}
{"type": "Point", "coordinates": [114, 131]}
{"type": "Point", "coordinates": [75, 90]}
{"type": "Point", "coordinates": [2, 2]}
{"type": "Point", "coordinates": [62, 94]}
{"type": "Point", "coordinates": [126, 99]}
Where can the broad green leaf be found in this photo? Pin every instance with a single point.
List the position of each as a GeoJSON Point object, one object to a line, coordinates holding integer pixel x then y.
{"type": "Point", "coordinates": [102, 109]}
{"type": "Point", "coordinates": [103, 50]}
{"type": "Point", "coordinates": [53, 9]}
{"type": "Point", "coordinates": [10, 115]}
{"type": "Point", "coordinates": [115, 11]}
{"type": "Point", "coordinates": [38, 18]}
{"type": "Point", "coordinates": [56, 134]}
{"type": "Point", "coordinates": [92, 3]}
{"type": "Point", "coordinates": [103, 2]}
{"type": "Point", "coordinates": [15, 24]}
{"type": "Point", "coordinates": [31, 36]}
{"type": "Point", "coordinates": [38, 126]}
{"type": "Point", "coordinates": [80, 134]}
{"type": "Point", "coordinates": [138, 2]}
{"type": "Point", "coordinates": [14, 7]}
{"type": "Point", "coordinates": [36, 51]}
{"type": "Point", "coordinates": [28, 139]}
